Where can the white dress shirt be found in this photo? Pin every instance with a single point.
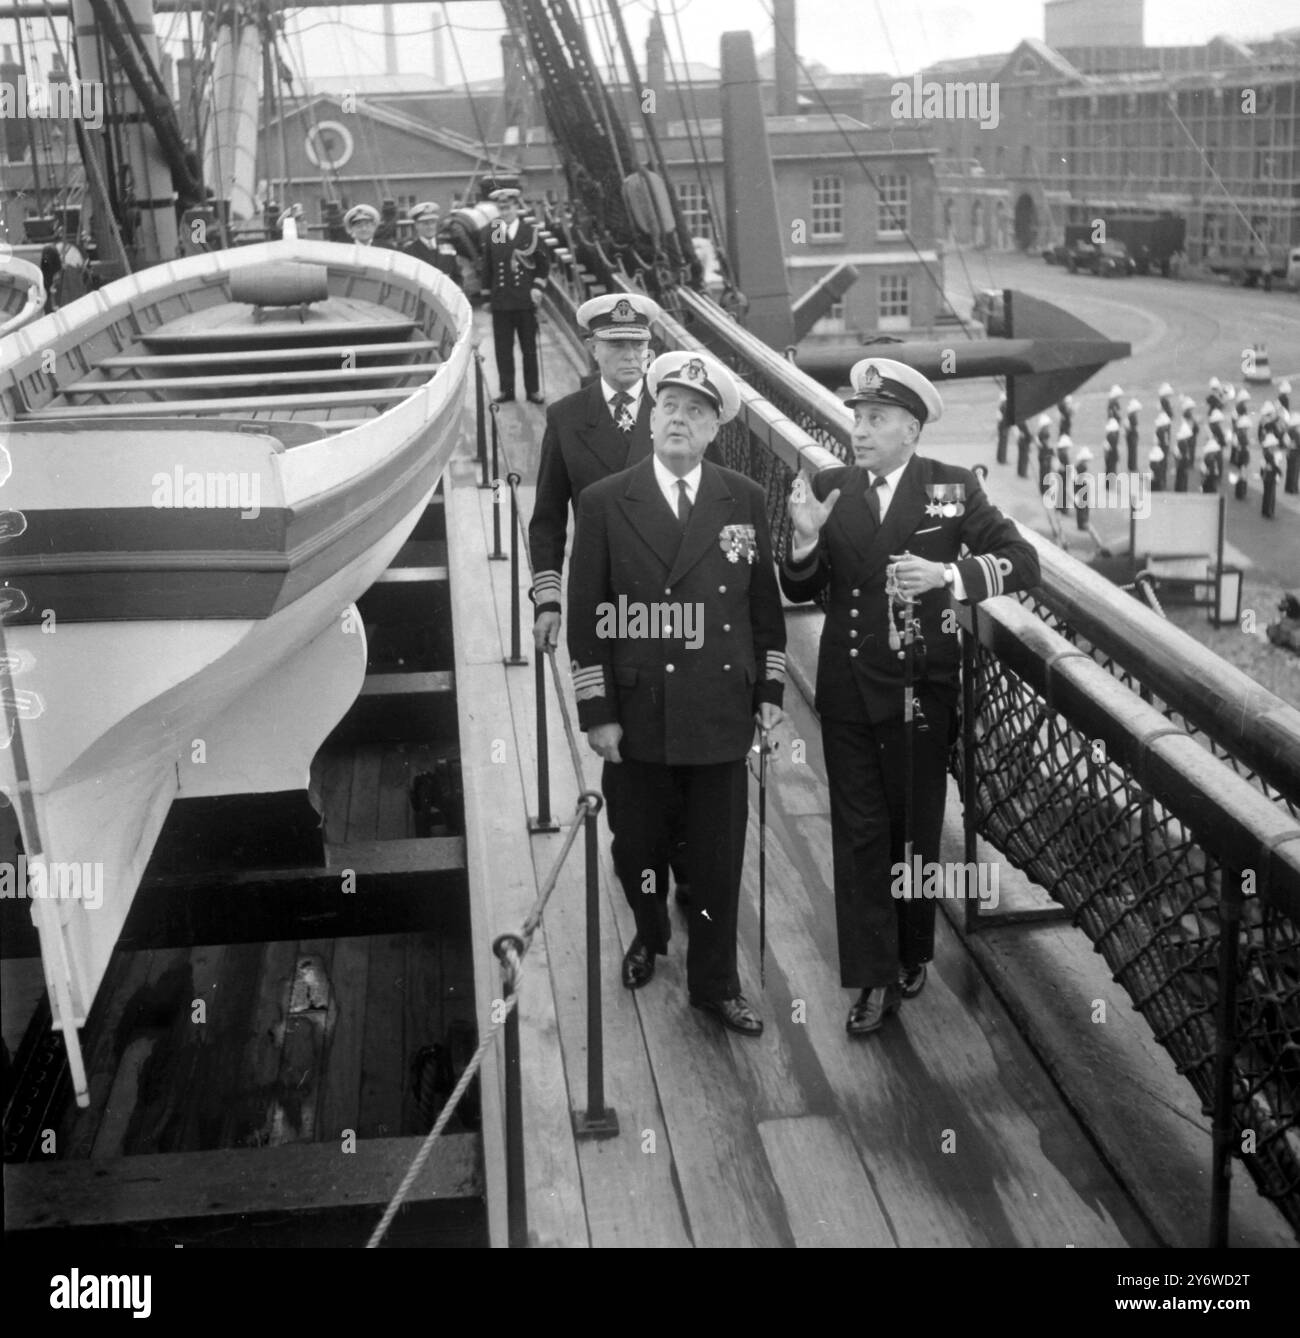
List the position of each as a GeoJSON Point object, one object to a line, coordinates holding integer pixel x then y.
{"type": "Point", "coordinates": [668, 481]}
{"type": "Point", "coordinates": [634, 395]}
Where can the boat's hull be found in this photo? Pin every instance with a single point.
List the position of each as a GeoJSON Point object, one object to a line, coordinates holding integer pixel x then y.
{"type": "Point", "coordinates": [165, 646]}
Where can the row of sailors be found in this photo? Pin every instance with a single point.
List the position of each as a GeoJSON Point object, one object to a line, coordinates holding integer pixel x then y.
{"type": "Point", "coordinates": [362, 223]}
{"type": "Point", "coordinates": [1277, 431]}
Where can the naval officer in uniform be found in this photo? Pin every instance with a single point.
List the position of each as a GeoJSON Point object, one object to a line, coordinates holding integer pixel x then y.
{"type": "Point", "coordinates": [678, 646]}
{"type": "Point", "coordinates": [361, 221]}
{"type": "Point", "coordinates": [515, 269]}
{"type": "Point", "coordinates": [891, 507]}
{"type": "Point", "coordinates": [427, 217]}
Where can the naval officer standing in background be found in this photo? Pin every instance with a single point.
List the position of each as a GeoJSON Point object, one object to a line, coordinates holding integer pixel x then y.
{"type": "Point", "coordinates": [678, 645]}
{"type": "Point", "coordinates": [891, 507]}
{"type": "Point", "coordinates": [515, 269]}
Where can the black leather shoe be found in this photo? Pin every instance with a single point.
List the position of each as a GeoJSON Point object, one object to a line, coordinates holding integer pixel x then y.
{"type": "Point", "coordinates": [683, 894]}
{"type": "Point", "coordinates": [872, 1008]}
{"type": "Point", "coordinates": [537, 399]}
{"type": "Point", "coordinates": [638, 965]}
{"type": "Point", "coordinates": [735, 1014]}
{"type": "Point", "coordinates": [911, 980]}
{"type": "Point", "coordinates": [504, 399]}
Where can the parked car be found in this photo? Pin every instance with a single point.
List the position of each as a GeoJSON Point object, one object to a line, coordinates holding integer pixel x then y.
{"type": "Point", "coordinates": [1109, 259]}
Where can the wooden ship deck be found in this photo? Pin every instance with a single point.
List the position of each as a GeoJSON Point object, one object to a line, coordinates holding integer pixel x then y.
{"type": "Point", "coordinates": [946, 1129]}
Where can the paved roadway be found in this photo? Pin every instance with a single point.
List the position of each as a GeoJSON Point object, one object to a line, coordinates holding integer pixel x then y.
{"type": "Point", "coordinates": [1181, 331]}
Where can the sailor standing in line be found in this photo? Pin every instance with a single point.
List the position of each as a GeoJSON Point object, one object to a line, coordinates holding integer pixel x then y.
{"type": "Point", "coordinates": [1184, 458]}
{"type": "Point", "coordinates": [1241, 463]}
{"type": "Point", "coordinates": [1113, 402]}
{"type": "Point", "coordinates": [425, 245]}
{"type": "Point", "coordinates": [515, 268]}
{"type": "Point", "coordinates": [893, 513]}
{"type": "Point", "coordinates": [1023, 443]}
{"type": "Point", "coordinates": [1268, 473]}
{"type": "Point", "coordinates": [1044, 425]}
{"type": "Point", "coordinates": [1082, 487]}
{"type": "Point", "coordinates": [1214, 396]}
{"type": "Point", "coordinates": [1166, 393]}
{"type": "Point", "coordinates": [1004, 427]}
{"type": "Point", "coordinates": [1111, 457]}
{"type": "Point", "coordinates": [1211, 465]}
{"type": "Point", "coordinates": [1265, 420]}
{"type": "Point", "coordinates": [1158, 466]}
{"type": "Point", "coordinates": [1189, 417]}
{"type": "Point", "coordinates": [672, 709]}
{"type": "Point", "coordinates": [1284, 395]}
{"type": "Point", "coordinates": [1065, 408]}
{"type": "Point", "coordinates": [1131, 433]}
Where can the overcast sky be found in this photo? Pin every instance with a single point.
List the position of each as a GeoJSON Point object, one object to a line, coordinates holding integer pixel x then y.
{"type": "Point", "coordinates": [850, 36]}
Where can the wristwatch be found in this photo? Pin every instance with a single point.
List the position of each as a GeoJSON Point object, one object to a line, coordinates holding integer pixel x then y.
{"type": "Point", "coordinates": [949, 573]}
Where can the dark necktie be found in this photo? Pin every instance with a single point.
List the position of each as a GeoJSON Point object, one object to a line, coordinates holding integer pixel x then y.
{"type": "Point", "coordinates": [620, 401]}
{"type": "Point", "coordinates": [683, 503]}
{"type": "Point", "coordinates": [873, 497]}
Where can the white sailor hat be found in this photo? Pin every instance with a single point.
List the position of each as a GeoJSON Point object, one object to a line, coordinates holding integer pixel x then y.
{"type": "Point", "coordinates": [358, 212]}
{"type": "Point", "coordinates": [1215, 383]}
{"type": "Point", "coordinates": [1284, 387]}
{"type": "Point", "coordinates": [1002, 399]}
{"type": "Point", "coordinates": [1187, 404]}
{"type": "Point", "coordinates": [1184, 431]}
{"type": "Point", "coordinates": [1165, 389]}
{"type": "Point", "coordinates": [1212, 445]}
{"type": "Point", "coordinates": [1216, 416]}
{"type": "Point", "coordinates": [696, 371]}
{"type": "Point", "coordinates": [507, 195]}
{"type": "Point", "coordinates": [1082, 455]}
{"type": "Point", "coordinates": [884, 381]}
{"type": "Point", "coordinates": [1228, 390]}
{"type": "Point", "coordinates": [1068, 401]}
{"type": "Point", "coordinates": [1112, 427]}
{"type": "Point", "coordinates": [1116, 392]}
{"type": "Point", "coordinates": [1043, 423]}
{"type": "Point", "coordinates": [1268, 409]}
{"type": "Point", "coordinates": [1063, 441]}
{"type": "Point", "coordinates": [1162, 419]}
{"type": "Point", "coordinates": [1156, 454]}
{"type": "Point", "coordinates": [624, 316]}
{"type": "Point", "coordinates": [425, 209]}
{"type": "Point", "coordinates": [1243, 394]}
{"type": "Point", "coordinates": [1133, 406]}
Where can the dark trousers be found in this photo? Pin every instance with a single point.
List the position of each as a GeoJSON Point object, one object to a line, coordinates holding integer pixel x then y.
{"type": "Point", "coordinates": [505, 325]}
{"type": "Point", "coordinates": [642, 800]}
{"type": "Point", "coordinates": [865, 768]}
{"type": "Point", "coordinates": [1002, 443]}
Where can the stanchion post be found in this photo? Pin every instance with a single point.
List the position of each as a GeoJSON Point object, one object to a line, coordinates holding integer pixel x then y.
{"type": "Point", "coordinates": [516, 1186]}
{"type": "Point", "coordinates": [496, 555]}
{"type": "Point", "coordinates": [515, 657]}
{"type": "Point", "coordinates": [1225, 1045]}
{"type": "Point", "coordinates": [543, 822]}
{"type": "Point", "coordinates": [480, 424]}
{"type": "Point", "coordinates": [599, 1120]}
{"type": "Point", "coordinates": [968, 785]}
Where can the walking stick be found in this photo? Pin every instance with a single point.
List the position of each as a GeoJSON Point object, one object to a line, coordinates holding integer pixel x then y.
{"type": "Point", "coordinates": [763, 750]}
{"type": "Point", "coordinates": [904, 645]}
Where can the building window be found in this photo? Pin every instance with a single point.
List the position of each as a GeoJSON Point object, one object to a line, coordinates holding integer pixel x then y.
{"type": "Point", "coordinates": [695, 208]}
{"type": "Point", "coordinates": [827, 208]}
{"type": "Point", "coordinates": [831, 323]}
{"type": "Point", "coordinates": [895, 306]}
{"type": "Point", "coordinates": [891, 220]}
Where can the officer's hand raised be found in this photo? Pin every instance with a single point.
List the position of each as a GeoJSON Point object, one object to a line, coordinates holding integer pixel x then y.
{"type": "Point", "coordinates": [806, 512]}
{"type": "Point", "coordinates": [603, 740]}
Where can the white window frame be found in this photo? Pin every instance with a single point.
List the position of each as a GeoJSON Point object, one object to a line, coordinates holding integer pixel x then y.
{"type": "Point", "coordinates": [894, 190]}
{"type": "Point", "coordinates": [893, 302]}
{"type": "Point", "coordinates": [827, 200]}
{"type": "Point", "coordinates": [693, 203]}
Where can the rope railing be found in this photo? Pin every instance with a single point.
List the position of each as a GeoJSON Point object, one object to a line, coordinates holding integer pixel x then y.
{"type": "Point", "coordinates": [1174, 845]}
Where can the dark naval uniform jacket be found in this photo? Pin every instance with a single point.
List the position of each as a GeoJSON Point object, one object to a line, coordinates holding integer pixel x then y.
{"type": "Point", "coordinates": [859, 678]}
{"type": "Point", "coordinates": [679, 705]}
{"type": "Point", "coordinates": [582, 445]}
{"type": "Point", "coordinates": [512, 268]}
{"type": "Point", "coordinates": [435, 255]}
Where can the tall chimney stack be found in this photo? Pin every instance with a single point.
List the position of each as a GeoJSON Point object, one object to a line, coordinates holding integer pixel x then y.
{"type": "Point", "coordinates": [656, 78]}
{"type": "Point", "coordinates": [787, 63]}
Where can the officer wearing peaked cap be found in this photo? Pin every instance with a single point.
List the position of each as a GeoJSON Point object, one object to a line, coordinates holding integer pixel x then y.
{"type": "Point", "coordinates": [514, 272]}
{"type": "Point", "coordinates": [671, 708]}
{"type": "Point", "coordinates": [890, 508]}
{"type": "Point", "coordinates": [427, 217]}
{"type": "Point", "coordinates": [361, 221]}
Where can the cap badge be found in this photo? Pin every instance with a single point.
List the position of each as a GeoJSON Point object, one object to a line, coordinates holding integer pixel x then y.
{"type": "Point", "coordinates": [623, 311]}
{"type": "Point", "coordinates": [871, 379]}
{"type": "Point", "coordinates": [695, 370]}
